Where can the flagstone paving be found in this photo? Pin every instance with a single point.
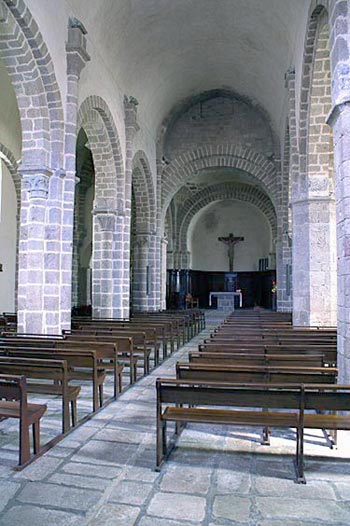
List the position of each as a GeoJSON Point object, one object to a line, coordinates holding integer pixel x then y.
{"type": "Point", "coordinates": [102, 474]}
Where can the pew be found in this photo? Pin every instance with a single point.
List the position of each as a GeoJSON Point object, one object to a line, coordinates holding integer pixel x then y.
{"type": "Point", "coordinates": [14, 404]}
{"type": "Point", "coordinates": [107, 355]}
{"type": "Point", "coordinates": [54, 376]}
{"type": "Point", "coordinates": [82, 365]}
{"type": "Point", "coordinates": [289, 406]}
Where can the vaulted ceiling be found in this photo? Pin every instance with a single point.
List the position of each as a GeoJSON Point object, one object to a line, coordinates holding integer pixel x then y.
{"type": "Point", "coordinates": [162, 51]}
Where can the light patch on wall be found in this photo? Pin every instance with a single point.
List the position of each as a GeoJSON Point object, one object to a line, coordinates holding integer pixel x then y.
{"type": "Point", "coordinates": [1, 157]}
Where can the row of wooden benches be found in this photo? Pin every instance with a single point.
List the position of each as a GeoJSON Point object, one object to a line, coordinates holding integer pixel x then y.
{"type": "Point", "coordinates": [243, 380]}
{"type": "Point", "coordinates": [46, 364]}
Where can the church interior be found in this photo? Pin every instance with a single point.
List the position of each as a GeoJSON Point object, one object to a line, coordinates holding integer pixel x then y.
{"type": "Point", "coordinates": [174, 184]}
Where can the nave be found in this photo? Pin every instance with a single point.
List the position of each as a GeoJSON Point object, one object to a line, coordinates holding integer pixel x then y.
{"type": "Point", "coordinates": [102, 473]}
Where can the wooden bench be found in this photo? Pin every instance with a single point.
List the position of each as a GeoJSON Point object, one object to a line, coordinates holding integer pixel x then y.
{"type": "Point", "coordinates": [303, 360]}
{"type": "Point", "coordinates": [244, 405]}
{"type": "Point", "coordinates": [14, 404]}
{"type": "Point", "coordinates": [82, 365]}
{"type": "Point", "coordinates": [330, 354]}
{"type": "Point", "coordinates": [144, 342]}
{"type": "Point", "coordinates": [53, 371]}
{"type": "Point", "coordinates": [160, 329]}
{"type": "Point", "coordinates": [106, 355]}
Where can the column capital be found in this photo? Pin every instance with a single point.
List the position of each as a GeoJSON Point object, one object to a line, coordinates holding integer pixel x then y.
{"type": "Point", "coordinates": [36, 181]}
{"type": "Point", "coordinates": [105, 220]}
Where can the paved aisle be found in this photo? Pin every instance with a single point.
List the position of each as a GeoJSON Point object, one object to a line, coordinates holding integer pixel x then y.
{"type": "Point", "coordinates": [102, 474]}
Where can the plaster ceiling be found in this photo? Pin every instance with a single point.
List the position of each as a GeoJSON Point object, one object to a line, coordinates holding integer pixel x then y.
{"type": "Point", "coordinates": [162, 51]}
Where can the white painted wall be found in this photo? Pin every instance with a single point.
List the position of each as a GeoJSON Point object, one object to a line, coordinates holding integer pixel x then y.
{"type": "Point", "coordinates": [7, 241]}
{"type": "Point", "coordinates": [10, 126]}
{"type": "Point", "coordinates": [219, 219]}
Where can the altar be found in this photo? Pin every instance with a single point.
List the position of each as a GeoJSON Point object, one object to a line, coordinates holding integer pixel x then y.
{"type": "Point", "coordinates": [226, 300]}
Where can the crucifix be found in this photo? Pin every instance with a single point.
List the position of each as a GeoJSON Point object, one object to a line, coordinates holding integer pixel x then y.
{"type": "Point", "coordinates": [230, 241]}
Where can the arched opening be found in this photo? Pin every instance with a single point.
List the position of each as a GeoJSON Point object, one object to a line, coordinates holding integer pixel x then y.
{"type": "Point", "coordinates": [143, 239]}
{"type": "Point", "coordinates": [314, 223]}
{"type": "Point", "coordinates": [82, 237]}
{"type": "Point", "coordinates": [108, 288]}
{"type": "Point", "coordinates": [202, 212]}
{"type": "Point", "coordinates": [323, 303]}
{"type": "Point", "coordinates": [10, 146]}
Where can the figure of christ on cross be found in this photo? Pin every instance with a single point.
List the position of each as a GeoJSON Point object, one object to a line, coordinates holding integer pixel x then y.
{"type": "Point", "coordinates": [230, 241]}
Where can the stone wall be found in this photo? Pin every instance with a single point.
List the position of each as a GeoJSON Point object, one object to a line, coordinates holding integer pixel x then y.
{"type": "Point", "coordinates": [218, 118]}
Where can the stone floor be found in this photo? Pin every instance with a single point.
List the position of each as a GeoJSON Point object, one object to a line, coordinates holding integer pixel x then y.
{"type": "Point", "coordinates": [102, 473]}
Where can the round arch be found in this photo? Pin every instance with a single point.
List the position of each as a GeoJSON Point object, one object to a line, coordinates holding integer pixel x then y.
{"type": "Point", "coordinates": [96, 120]}
{"type": "Point", "coordinates": [144, 236]}
{"type": "Point", "coordinates": [226, 156]}
{"type": "Point", "coordinates": [30, 67]}
{"type": "Point", "coordinates": [144, 193]}
{"type": "Point", "coordinates": [241, 192]}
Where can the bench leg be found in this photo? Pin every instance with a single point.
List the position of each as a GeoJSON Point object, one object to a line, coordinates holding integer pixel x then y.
{"type": "Point", "coordinates": [334, 436]}
{"type": "Point", "coordinates": [120, 382]}
{"type": "Point", "coordinates": [299, 461]}
{"type": "Point", "coordinates": [161, 447]}
{"type": "Point", "coordinates": [24, 449]}
{"type": "Point", "coordinates": [100, 392]}
{"type": "Point", "coordinates": [165, 348]}
{"type": "Point", "coordinates": [36, 437]}
{"type": "Point", "coordinates": [74, 412]}
{"type": "Point", "coordinates": [266, 436]}
{"type": "Point", "coordinates": [65, 416]}
{"type": "Point", "coordinates": [156, 354]}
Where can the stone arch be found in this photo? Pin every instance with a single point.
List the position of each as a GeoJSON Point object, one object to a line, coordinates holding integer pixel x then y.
{"type": "Point", "coordinates": [144, 235]}
{"type": "Point", "coordinates": [314, 253]}
{"type": "Point", "coordinates": [30, 67]}
{"type": "Point", "coordinates": [317, 15]}
{"type": "Point", "coordinates": [95, 118]}
{"type": "Point", "coordinates": [226, 156]}
{"type": "Point", "coordinates": [144, 193]}
{"type": "Point", "coordinates": [241, 192]}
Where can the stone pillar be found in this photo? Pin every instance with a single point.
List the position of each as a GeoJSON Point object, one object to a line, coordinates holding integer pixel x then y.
{"type": "Point", "coordinates": [131, 128]}
{"type": "Point", "coordinates": [313, 247]}
{"type": "Point", "coordinates": [339, 119]}
{"type": "Point", "coordinates": [77, 57]}
{"type": "Point", "coordinates": [164, 244]}
{"type": "Point", "coordinates": [32, 297]}
{"type": "Point", "coordinates": [102, 270]}
{"type": "Point", "coordinates": [141, 272]}
{"type": "Point", "coordinates": [313, 262]}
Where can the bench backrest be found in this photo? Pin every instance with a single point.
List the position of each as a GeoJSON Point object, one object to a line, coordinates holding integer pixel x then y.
{"type": "Point", "coordinates": [14, 388]}
{"type": "Point", "coordinates": [221, 394]}
{"type": "Point", "coordinates": [255, 373]}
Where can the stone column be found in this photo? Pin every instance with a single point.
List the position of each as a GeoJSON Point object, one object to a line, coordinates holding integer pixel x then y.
{"type": "Point", "coordinates": [141, 286]}
{"type": "Point", "coordinates": [32, 299]}
{"type": "Point", "coordinates": [131, 128]}
{"type": "Point", "coordinates": [163, 282]}
{"type": "Point", "coordinates": [313, 248]}
{"type": "Point", "coordinates": [339, 119]}
{"type": "Point", "coordinates": [77, 57]}
{"type": "Point", "coordinates": [102, 270]}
